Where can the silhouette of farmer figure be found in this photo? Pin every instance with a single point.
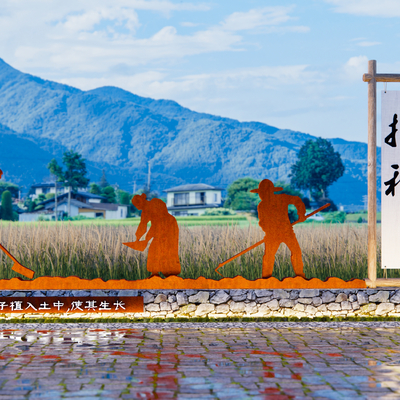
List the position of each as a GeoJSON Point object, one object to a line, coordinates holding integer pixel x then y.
{"type": "Point", "coordinates": [274, 221]}
{"type": "Point", "coordinates": [163, 251]}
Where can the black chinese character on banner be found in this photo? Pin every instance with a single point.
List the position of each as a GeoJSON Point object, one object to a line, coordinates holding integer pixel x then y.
{"type": "Point", "coordinates": [391, 138]}
{"type": "Point", "coordinates": [392, 182]}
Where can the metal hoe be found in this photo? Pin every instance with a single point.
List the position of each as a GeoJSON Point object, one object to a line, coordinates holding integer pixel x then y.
{"type": "Point", "coordinates": [262, 241]}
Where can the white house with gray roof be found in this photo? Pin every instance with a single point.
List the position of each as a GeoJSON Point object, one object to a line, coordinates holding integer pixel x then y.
{"type": "Point", "coordinates": [82, 203]}
{"type": "Point", "coordinates": [193, 199]}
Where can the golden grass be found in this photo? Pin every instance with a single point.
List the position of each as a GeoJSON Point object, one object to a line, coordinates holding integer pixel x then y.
{"type": "Point", "coordinates": [93, 251]}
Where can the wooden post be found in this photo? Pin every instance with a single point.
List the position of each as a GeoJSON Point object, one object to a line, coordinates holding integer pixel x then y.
{"type": "Point", "coordinates": [372, 78]}
{"type": "Point", "coordinates": [372, 172]}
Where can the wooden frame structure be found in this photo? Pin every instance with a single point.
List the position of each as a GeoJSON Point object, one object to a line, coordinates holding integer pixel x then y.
{"type": "Point", "coordinates": [372, 78]}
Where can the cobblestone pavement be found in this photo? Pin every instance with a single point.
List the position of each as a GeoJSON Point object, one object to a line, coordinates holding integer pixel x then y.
{"type": "Point", "coordinates": [200, 361]}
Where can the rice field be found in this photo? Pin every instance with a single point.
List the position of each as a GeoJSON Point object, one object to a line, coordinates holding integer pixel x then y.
{"type": "Point", "coordinates": [96, 251]}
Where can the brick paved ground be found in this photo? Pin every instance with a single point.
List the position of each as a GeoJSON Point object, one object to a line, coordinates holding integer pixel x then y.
{"type": "Point", "coordinates": [246, 361]}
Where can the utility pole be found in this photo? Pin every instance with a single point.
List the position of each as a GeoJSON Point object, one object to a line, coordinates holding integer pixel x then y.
{"type": "Point", "coordinates": [55, 199]}
{"type": "Point", "coordinates": [148, 179]}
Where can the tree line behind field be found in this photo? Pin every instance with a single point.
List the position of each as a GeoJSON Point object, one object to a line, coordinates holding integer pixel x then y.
{"type": "Point", "coordinates": [316, 168]}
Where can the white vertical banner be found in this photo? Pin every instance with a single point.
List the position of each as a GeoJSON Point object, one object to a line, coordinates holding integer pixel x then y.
{"type": "Point", "coordinates": [390, 178]}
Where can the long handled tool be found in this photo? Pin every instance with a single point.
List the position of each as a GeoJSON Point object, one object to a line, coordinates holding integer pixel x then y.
{"type": "Point", "coordinates": [262, 241]}
{"type": "Point", "coordinates": [17, 267]}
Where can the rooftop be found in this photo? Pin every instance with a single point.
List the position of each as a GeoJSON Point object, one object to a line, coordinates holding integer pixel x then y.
{"type": "Point", "coordinates": [193, 187]}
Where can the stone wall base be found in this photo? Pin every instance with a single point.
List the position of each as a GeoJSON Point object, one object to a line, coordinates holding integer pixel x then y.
{"type": "Point", "coordinates": [251, 303]}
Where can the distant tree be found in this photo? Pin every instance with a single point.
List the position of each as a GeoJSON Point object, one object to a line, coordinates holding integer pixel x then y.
{"type": "Point", "coordinates": [11, 187]}
{"type": "Point", "coordinates": [124, 197]}
{"type": "Point", "coordinates": [109, 193]}
{"type": "Point", "coordinates": [50, 196]}
{"type": "Point", "coordinates": [41, 197]}
{"type": "Point", "coordinates": [75, 172]}
{"type": "Point", "coordinates": [103, 180]}
{"type": "Point", "coordinates": [239, 197]}
{"type": "Point", "coordinates": [95, 189]}
{"type": "Point", "coordinates": [317, 167]}
{"type": "Point", "coordinates": [6, 206]}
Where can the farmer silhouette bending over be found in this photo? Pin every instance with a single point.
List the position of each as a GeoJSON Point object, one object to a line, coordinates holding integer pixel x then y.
{"type": "Point", "coordinates": [274, 221]}
{"type": "Point", "coordinates": [163, 251]}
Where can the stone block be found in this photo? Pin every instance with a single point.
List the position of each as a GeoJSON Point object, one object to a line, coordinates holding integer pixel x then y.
{"type": "Point", "coordinates": [125, 293]}
{"type": "Point", "coordinates": [262, 300]}
{"type": "Point", "coordinates": [160, 298]}
{"type": "Point", "coordinates": [381, 297]}
{"type": "Point", "coordinates": [188, 309]}
{"type": "Point", "coordinates": [236, 307]}
{"type": "Point", "coordinates": [341, 297]}
{"type": "Point", "coordinates": [80, 293]}
{"type": "Point", "coordinates": [286, 303]}
{"type": "Point", "coordinates": [148, 298]}
{"type": "Point", "coordinates": [294, 294]}
{"type": "Point", "coordinates": [334, 307]}
{"type": "Point", "coordinates": [368, 308]}
{"type": "Point", "coordinates": [204, 309]}
{"type": "Point", "coordinates": [191, 292]}
{"type": "Point", "coordinates": [152, 307]}
{"type": "Point", "coordinates": [165, 306]}
{"type": "Point", "coordinates": [38, 293]}
{"type": "Point", "coordinates": [322, 308]}
{"type": "Point", "coordinates": [273, 305]}
{"type": "Point", "coordinates": [18, 294]}
{"type": "Point", "coordinates": [346, 305]}
{"type": "Point", "coordinates": [174, 306]}
{"type": "Point", "coordinates": [251, 295]}
{"type": "Point", "coordinates": [396, 297]}
{"type": "Point", "coordinates": [355, 305]}
{"type": "Point", "coordinates": [171, 298]}
{"type": "Point", "coordinates": [250, 308]}
{"type": "Point", "coordinates": [181, 299]}
{"type": "Point", "coordinates": [99, 293]}
{"type": "Point", "coordinates": [384, 308]}
{"type": "Point", "coordinates": [316, 301]}
{"type": "Point", "coordinates": [222, 309]}
{"type": "Point", "coordinates": [263, 292]}
{"type": "Point", "coordinates": [238, 292]}
{"type": "Point", "coordinates": [328, 297]}
{"type": "Point", "coordinates": [220, 297]}
{"type": "Point", "coordinates": [305, 300]}
{"type": "Point", "coordinates": [239, 298]}
{"type": "Point", "coordinates": [263, 310]}
{"type": "Point", "coordinates": [55, 293]}
{"type": "Point", "coordinates": [311, 310]}
{"type": "Point", "coordinates": [352, 298]}
{"type": "Point", "coordinates": [280, 294]}
{"type": "Point", "coordinates": [362, 298]}
{"type": "Point", "coordinates": [309, 293]}
{"type": "Point", "coordinates": [199, 298]}
{"type": "Point", "coordinates": [299, 307]}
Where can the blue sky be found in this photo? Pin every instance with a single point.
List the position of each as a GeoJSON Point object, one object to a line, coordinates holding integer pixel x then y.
{"type": "Point", "coordinates": [290, 64]}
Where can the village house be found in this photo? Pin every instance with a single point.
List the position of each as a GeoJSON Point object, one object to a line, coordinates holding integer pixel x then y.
{"type": "Point", "coordinates": [82, 203]}
{"type": "Point", "coordinates": [46, 188]}
{"type": "Point", "coordinates": [193, 199]}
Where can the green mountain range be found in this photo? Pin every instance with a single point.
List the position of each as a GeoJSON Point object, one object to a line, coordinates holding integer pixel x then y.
{"type": "Point", "coordinates": [122, 132]}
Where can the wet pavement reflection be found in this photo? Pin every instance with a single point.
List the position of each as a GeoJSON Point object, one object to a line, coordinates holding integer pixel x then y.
{"type": "Point", "coordinates": [200, 362]}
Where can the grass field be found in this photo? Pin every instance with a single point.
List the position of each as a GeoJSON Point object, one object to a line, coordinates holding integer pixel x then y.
{"type": "Point", "coordinates": [92, 251]}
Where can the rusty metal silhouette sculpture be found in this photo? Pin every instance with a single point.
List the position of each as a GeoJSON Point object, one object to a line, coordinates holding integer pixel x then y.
{"type": "Point", "coordinates": [164, 231]}
{"type": "Point", "coordinates": [17, 267]}
{"type": "Point", "coordinates": [274, 221]}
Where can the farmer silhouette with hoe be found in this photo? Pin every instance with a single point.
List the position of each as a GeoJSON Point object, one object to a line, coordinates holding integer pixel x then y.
{"type": "Point", "coordinates": [274, 221]}
{"type": "Point", "coordinates": [163, 251]}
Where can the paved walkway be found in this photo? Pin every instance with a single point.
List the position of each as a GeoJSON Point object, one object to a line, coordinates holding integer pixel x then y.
{"type": "Point", "coordinates": [200, 361]}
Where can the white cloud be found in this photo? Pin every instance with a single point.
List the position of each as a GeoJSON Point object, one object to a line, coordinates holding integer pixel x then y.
{"type": "Point", "coordinates": [355, 67]}
{"type": "Point", "coordinates": [371, 8]}
{"type": "Point", "coordinates": [96, 35]}
{"type": "Point", "coordinates": [239, 21]}
{"type": "Point", "coordinates": [368, 44]}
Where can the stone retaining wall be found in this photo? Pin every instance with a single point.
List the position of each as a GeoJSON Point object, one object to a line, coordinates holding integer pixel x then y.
{"type": "Point", "coordinates": [238, 303]}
